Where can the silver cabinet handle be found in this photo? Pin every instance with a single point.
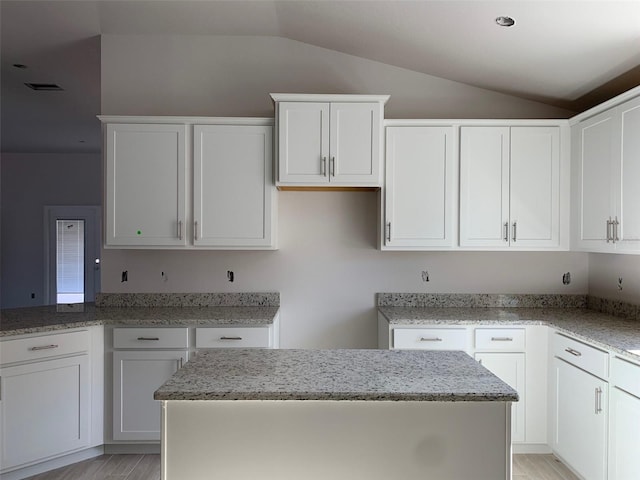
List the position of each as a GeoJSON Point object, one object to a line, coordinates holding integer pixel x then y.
{"type": "Point", "coordinates": [573, 352]}
{"type": "Point", "coordinates": [514, 231]}
{"type": "Point", "coordinates": [43, 347]}
{"type": "Point", "coordinates": [230, 338]}
{"type": "Point", "coordinates": [501, 339]}
{"type": "Point", "coordinates": [506, 231]}
{"type": "Point", "coordinates": [323, 163]}
{"type": "Point", "coordinates": [146, 339]}
{"type": "Point", "coordinates": [615, 230]}
{"type": "Point", "coordinates": [598, 400]}
{"type": "Point", "coordinates": [333, 166]}
{"type": "Point", "coordinates": [609, 224]}
{"type": "Point", "coordinates": [195, 230]}
{"type": "Point", "coordinates": [388, 231]}
{"type": "Point", "coordinates": [430, 339]}
{"type": "Point", "coordinates": [180, 229]}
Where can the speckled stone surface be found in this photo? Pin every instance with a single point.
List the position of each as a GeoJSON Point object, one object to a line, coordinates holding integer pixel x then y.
{"type": "Point", "coordinates": [252, 299]}
{"type": "Point", "coordinates": [380, 375]}
{"type": "Point", "coordinates": [614, 307]}
{"type": "Point", "coordinates": [481, 300]}
{"type": "Point", "coordinates": [42, 319]}
{"type": "Point", "coordinates": [607, 331]}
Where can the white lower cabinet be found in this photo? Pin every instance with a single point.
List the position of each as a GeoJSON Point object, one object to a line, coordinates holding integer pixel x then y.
{"type": "Point", "coordinates": [510, 368]}
{"type": "Point", "coordinates": [45, 407]}
{"type": "Point", "coordinates": [136, 375]}
{"type": "Point", "coordinates": [143, 359]}
{"type": "Point", "coordinates": [580, 420]}
{"type": "Point", "coordinates": [624, 421]}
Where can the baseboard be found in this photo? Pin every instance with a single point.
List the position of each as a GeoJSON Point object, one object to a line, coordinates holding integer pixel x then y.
{"type": "Point", "coordinates": [131, 448]}
{"type": "Point", "coordinates": [52, 464]}
{"type": "Point", "coordinates": [535, 448]}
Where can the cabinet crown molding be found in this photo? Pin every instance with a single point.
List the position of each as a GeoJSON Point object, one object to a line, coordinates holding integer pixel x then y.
{"type": "Point", "coordinates": [315, 97]}
{"type": "Point", "coordinates": [152, 119]}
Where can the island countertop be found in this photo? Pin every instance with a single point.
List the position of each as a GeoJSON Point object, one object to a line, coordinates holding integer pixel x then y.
{"type": "Point", "coordinates": [377, 375]}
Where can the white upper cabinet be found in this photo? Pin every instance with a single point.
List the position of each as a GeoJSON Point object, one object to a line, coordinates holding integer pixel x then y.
{"type": "Point", "coordinates": [510, 187]}
{"type": "Point", "coordinates": [231, 200]}
{"type": "Point", "coordinates": [420, 187]}
{"type": "Point", "coordinates": [145, 185]}
{"type": "Point", "coordinates": [150, 202]}
{"type": "Point", "coordinates": [329, 140]}
{"type": "Point", "coordinates": [606, 167]}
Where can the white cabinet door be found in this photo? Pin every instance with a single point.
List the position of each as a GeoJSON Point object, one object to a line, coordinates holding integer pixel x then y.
{"type": "Point", "coordinates": [510, 368]}
{"type": "Point", "coordinates": [329, 143]}
{"type": "Point", "coordinates": [627, 174]}
{"type": "Point", "coordinates": [593, 179]}
{"type": "Point", "coordinates": [510, 187]}
{"type": "Point", "coordinates": [45, 410]}
{"type": "Point", "coordinates": [535, 187]}
{"type": "Point", "coordinates": [624, 435]}
{"type": "Point", "coordinates": [145, 185]}
{"type": "Point", "coordinates": [420, 186]}
{"type": "Point", "coordinates": [303, 142]}
{"type": "Point", "coordinates": [232, 186]}
{"type": "Point", "coordinates": [136, 375]}
{"type": "Point", "coordinates": [354, 139]}
{"type": "Point", "coordinates": [484, 186]}
{"type": "Point", "coordinates": [580, 420]}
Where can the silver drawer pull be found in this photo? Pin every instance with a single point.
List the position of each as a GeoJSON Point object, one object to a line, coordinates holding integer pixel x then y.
{"type": "Point", "coordinates": [430, 339]}
{"type": "Point", "coordinates": [230, 338]}
{"type": "Point", "coordinates": [573, 352]}
{"type": "Point", "coordinates": [148, 338]}
{"type": "Point", "coordinates": [43, 347]}
{"type": "Point", "coordinates": [501, 339]}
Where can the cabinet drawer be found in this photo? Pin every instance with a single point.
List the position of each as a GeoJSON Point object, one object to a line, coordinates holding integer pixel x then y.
{"type": "Point", "coordinates": [511, 339]}
{"type": "Point", "coordinates": [51, 345]}
{"type": "Point", "coordinates": [626, 376]}
{"type": "Point", "coordinates": [591, 359]}
{"type": "Point", "coordinates": [139, 338]}
{"type": "Point", "coordinates": [230, 337]}
{"type": "Point", "coordinates": [430, 338]}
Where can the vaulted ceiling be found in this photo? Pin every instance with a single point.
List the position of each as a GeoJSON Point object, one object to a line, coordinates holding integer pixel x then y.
{"type": "Point", "coordinates": [571, 54]}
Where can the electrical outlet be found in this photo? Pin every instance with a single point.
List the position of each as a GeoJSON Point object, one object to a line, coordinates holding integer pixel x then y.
{"type": "Point", "coordinates": [619, 283]}
{"type": "Point", "coordinates": [230, 275]}
{"type": "Point", "coordinates": [566, 278]}
{"type": "Point", "coordinates": [125, 276]}
{"type": "Point", "coordinates": [425, 275]}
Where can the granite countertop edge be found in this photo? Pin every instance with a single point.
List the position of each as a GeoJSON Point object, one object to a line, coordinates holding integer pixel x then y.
{"type": "Point", "coordinates": [602, 330]}
{"type": "Point", "coordinates": [47, 319]}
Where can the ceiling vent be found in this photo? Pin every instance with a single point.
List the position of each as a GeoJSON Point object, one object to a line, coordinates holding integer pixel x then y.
{"type": "Point", "coordinates": [44, 86]}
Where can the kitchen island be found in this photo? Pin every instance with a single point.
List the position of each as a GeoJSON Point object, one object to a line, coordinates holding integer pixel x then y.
{"type": "Point", "coordinates": [340, 414]}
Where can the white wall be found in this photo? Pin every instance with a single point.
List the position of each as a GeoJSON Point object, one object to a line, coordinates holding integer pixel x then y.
{"type": "Point", "coordinates": [604, 271]}
{"type": "Point", "coordinates": [29, 182]}
{"type": "Point", "coordinates": [327, 269]}
{"type": "Point", "coordinates": [233, 76]}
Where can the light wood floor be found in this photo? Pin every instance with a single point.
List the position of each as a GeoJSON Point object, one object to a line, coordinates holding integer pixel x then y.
{"type": "Point", "coordinates": [147, 467]}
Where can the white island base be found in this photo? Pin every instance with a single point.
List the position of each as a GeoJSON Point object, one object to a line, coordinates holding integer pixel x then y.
{"type": "Point", "coordinates": [327, 439]}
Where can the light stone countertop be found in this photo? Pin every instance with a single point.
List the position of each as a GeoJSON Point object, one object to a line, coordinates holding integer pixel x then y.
{"type": "Point", "coordinates": [606, 331]}
{"type": "Point", "coordinates": [20, 321]}
{"type": "Point", "coordinates": [372, 375]}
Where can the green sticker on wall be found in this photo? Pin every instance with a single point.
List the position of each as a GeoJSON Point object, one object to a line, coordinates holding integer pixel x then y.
{"type": "Point", "coordinates": [139, 232]}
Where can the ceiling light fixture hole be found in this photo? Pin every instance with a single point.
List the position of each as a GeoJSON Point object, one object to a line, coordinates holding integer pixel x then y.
{"type": "Point", "coordinates": [505, 21]}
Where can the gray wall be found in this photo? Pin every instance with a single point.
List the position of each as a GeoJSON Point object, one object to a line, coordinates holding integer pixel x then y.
{"type": "Point", "coordinates": [29, 182]}
{"type": "Point", "coordinates": [604, 271]}
{"type": "Point", "coordinates": [327, 268]}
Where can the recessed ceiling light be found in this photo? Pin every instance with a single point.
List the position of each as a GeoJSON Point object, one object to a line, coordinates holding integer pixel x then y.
{"type": "Point", "coordinates": [44, 86]}
{"type": "Point", "coordinates": [505, 21]}
{"type": "Point", "coordinates": [19, 65]}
